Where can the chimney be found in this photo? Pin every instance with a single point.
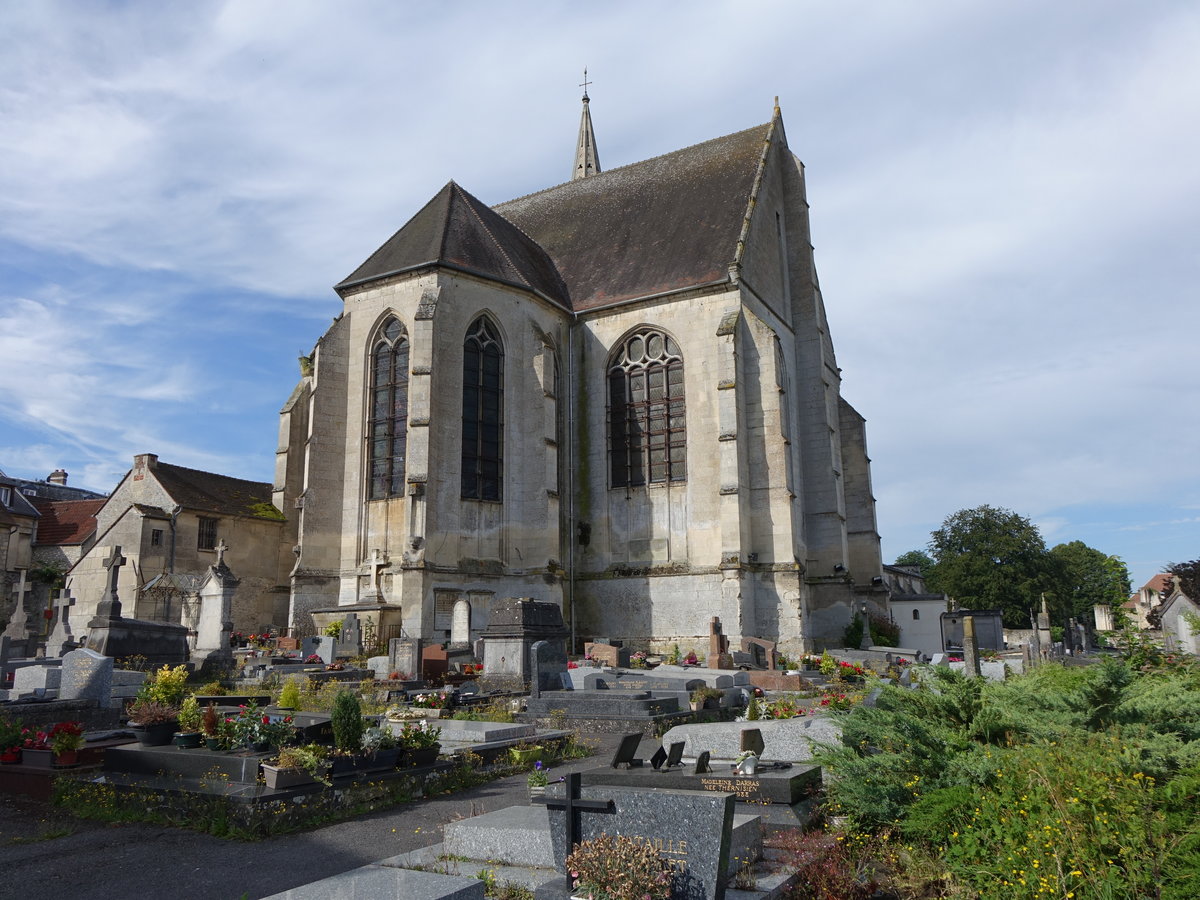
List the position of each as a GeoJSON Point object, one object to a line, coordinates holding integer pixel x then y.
{"type": "Point", "coordinates": [142, 462]}
{"type": "Point", "coordinates": [58, 476]}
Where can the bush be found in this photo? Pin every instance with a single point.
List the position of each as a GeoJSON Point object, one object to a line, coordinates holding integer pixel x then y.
{"type": "Point", "coordinates": [289, 695]}
{"type": "Point", "coordinates": [347, 723]}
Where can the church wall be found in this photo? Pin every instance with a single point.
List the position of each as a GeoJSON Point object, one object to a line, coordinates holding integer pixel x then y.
{"type": "Point", "coordinates": [865, 560]}
{"type": "Point", "coordinates": [767, 256]}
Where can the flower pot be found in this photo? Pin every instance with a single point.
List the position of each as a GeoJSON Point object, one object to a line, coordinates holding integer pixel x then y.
{"type": "Point", "coordinates": [158, 734]}
{"type": "Point", "coordinates": [187, 740]}
{"type": "Point", "coordinates": [425, 756]}
{"type": "Point", "coordinates": [212, 743]}
{"type": "Point", "coordinates": [382, 760]}
{"type": "Point", "coordinates": [525, 756]}
{"type": "Point", "coordinates": [536, 790]}
{"type": "Point", "coordinates": [261, 746]}
{"type": "Point", "coordinates": [66, 758]}
{"type": "Point", "coordinates": [277, 778]}
{"type": "Point", "coordinates": [37, 759]}
{"type": "Point", "coordinates": [11, 756]}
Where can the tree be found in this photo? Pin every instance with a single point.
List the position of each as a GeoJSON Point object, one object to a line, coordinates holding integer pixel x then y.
{"type": "Point", "coordinates": [1087, 577]}
{"type": "Point", "coordinates": [991, 558]}
{"type": "Point", "coordinates": [916, 559]}
{"type": "Point", "coordinates": [1189, 577]}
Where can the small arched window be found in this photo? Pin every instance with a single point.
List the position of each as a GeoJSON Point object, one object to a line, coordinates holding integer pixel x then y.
{"type": "Point", "coordinates": [916, 614]}
{"type": "Point", "coordinates": [388, 427]}
{"type": "Point", "coordinates": [647, 432]}
{"type": "Point", "coordinates": [483, 413]}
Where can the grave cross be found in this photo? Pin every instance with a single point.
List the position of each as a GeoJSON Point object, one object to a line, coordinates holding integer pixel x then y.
{"type": "Point", "coordinates": [377, 562]}
{"type": "Point", "coordinates": [572, 804]}
{"type": "Point", "coordinates": [110, 603]}
{"type": "Point", "coordinates": [18, 624]}
{"type": "Point", "coordinates": [221, 548]}
{"type": "Point", "coordinates": [61, 640]}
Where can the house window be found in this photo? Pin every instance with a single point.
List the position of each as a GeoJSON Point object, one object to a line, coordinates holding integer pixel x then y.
{"type": "Point", "coordinates": [482, 413]}
{"type": "Point", "coordinates": [388, 427]}
{"type": "Point", "coordinates": [156, 537]}
{"type": "Point", "coordinates": [208, 534]}
{"type": "Point", "coordinates": [5, 496]}
{"type": "Point", "coordinates": [647, 432]}
{"type": "Point", "coordinates": [916, 614]}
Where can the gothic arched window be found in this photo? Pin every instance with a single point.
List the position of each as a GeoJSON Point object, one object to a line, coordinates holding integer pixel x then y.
{"type": "Point", "coordinates": [483, 413]}
{"type": "Point", "coordinates": [647, 433]}
{"type": "Point", "coordinates": [388, 427]}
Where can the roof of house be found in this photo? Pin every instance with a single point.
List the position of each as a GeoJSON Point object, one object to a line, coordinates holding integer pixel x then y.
{"type": "Point", "coordinates": [66, 521]}
{"type": "Point", "coordinates": [208, 492]}
{"type": "Point", "coordinates": [666, 224]}
{"type": "Point", "coordinates": [461, 231]}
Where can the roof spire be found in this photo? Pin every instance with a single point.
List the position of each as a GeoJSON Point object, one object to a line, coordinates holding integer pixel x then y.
{"type": "Point", "coordinates": [587, 160]}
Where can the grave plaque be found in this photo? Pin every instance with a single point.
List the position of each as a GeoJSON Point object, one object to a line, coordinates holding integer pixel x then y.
{"type": "Point", "coordinates": [752, 741]}
{"type": "Point", "coordinates": [607, 654]}
{"type": "Point", "coordinates": [702, 766]}
{"type": "Point", "coordinates": [547, 666]}
{"type": "Point", "coordinates": [320, 646]}
{"type": "Point", "coordinates": [691, 829]}
{"type": "Point", "coordinates": [626, 750]}
{"type": "Point", "coordinates": [86, 675]}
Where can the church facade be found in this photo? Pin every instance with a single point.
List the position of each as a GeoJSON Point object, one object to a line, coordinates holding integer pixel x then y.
{"type": "Point", "coordinates": [619, 394]}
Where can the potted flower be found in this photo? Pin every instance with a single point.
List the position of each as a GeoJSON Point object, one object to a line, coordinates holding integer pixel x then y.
{"type": "Point", "coordinates": [745, 763]}
{"type": "Point", "coordinates": [431, 704]}
{"type": "Point", "coordinates": [11, 738]}
{"type": "Point", "coordinates": [153, 721]}
{"type": "Point", "coordinates": [35, 749]}
{"type": "Point", "coordinates": [420, 743]}
{"type": "Point", "coordinates": [190, 718]}
{"type": "Point", "coordinates": [66, 740]}
{"type": "Point", "coordinates": [296, 766]}
{"type": "Point", "coordinates": [538, 779]}
{"type": "Point", "coordinates": [691, 659]}
{"type": "Point", "coordinates": [525, 755]}
{"type": "Point", "coordinates": [210, 724]}
{"type": "Point", "coordinates": [381, 747]}
{"type": "Point", "coordinates": [637, 660]}
{"type": "Point", "coordinates": [705, 697]}
{"type": "Point", "coordinates": [619, 868]}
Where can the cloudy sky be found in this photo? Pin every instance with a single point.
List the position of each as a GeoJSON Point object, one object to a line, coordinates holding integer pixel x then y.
{"type": "Point", "coordinates": [1004, 198]}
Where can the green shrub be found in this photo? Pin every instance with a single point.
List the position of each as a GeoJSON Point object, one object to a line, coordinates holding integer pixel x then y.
{"type": "Point", "coordinates": [289, 694]}
{"type": "Point", "coordinates": [347, 722]}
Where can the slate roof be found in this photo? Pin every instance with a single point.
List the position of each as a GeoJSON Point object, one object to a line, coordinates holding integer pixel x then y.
{"type": "Point", "coordinates": [66, 521]}
{"type": "Point", "coordinates": [461, 231]}
{"type": "Point", "coordinates": [665, 224]}
{"type": "Point", "coordinates": [208, 492]}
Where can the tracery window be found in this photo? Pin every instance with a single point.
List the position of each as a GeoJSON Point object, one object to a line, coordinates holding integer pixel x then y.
{"type": "Point", "coordinates": [647, 433]}
{"type": "Point", "coordinates": [483, 413]}
{"type": "Point", "coordinates": [388, 427]}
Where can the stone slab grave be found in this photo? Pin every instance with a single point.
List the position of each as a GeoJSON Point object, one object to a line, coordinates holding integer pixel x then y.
{"type": "Point", "coordinates": [37, 681]}
{"type": "Point", "coordinates": [675, 684]}
{"type": "Point", "coordinates": [784, 740]}
{"type": "Point", "coordinates": [602, 704]}
{"type": "Point", "coordinates": [378, 881]}
{"type": "Point", "coordinates": [608, 654]}
{"type": "Point", "coordinates": [86, 675]}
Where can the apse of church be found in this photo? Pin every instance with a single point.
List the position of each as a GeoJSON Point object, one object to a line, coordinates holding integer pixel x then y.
{"type": "Point", "coordinates": [618, 394]}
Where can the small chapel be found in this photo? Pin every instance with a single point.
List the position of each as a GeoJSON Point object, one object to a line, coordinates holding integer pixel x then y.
{"type": "Point", "coordinates": [618, 395]}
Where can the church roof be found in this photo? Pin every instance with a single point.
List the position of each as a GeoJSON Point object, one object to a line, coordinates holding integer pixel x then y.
{"type": "Point", "coordinates": [208, 492]}
{"type": "Point", "coordinates": [66, 521]}
{"type": "Point", "coordinates": [458, 230]}
{"type": "Point", "coordinates": [665, 224]}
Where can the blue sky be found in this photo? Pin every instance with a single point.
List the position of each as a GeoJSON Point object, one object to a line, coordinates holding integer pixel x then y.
{"type": "Point", "coordinates": [1004, 199]}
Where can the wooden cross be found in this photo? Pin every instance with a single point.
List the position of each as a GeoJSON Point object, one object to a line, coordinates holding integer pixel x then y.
{"type": "Point", "coordinates": [572, 805]}
{"type": "Point", "coordinates": [221, 548]}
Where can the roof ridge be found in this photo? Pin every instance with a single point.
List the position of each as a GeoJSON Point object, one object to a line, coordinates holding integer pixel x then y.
{"type": "Point", "coordinates": [161, 464]}
{"type": "Point", "coordinates": [595, 178]}
{"type": "Point", "coordinates": [739, 249]}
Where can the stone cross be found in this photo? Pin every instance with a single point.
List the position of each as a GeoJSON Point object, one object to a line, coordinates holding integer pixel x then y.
{"type": "Point", "coordinates": [110, 603]}
{"type": "Point", "coordinates": [572, 805]}
{"type": "Point", "coordinates": [18, 625]}
{"type": "Point", "coordinates": [221, 548]}
{"type": "Point", "coordinates": [62, 640]}
{"type": "Point", "coordinates": [865, 642]}
{"type": "Point", "coordinates": [377, 562]}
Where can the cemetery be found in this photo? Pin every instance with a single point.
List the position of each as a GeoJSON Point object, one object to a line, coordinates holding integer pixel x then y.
{"type": "Point", "coordinates": [721, 780]}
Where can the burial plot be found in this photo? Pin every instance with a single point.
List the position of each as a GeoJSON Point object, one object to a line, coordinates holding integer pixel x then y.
{"type": "Point", "coordinates": [692, 830]}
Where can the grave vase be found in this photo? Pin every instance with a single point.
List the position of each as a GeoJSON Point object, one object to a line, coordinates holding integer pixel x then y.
{"type": "Point", "coordinates": [425, 756]}
{"type": "Point", "coordinates": [66, 758]}
{"type": "Point", "coordinates": [277, 778]}
{"type": "Point", "coordinates": [383, 760]}
{"type": "Point", "coordinates": [157, 734]}
{"type": "Point", "coordinates": [38, 759]}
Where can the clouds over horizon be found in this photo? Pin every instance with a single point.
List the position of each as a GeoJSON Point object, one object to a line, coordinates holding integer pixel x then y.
{"type": "Point", "coordinates": [1004, 207]}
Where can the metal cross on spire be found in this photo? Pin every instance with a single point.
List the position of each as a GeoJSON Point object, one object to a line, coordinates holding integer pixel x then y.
{"type": "Point", "coordinates": [585, 83]}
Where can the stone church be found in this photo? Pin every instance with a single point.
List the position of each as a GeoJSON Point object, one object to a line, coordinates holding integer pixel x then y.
{"type": "Point", "coordinates": [618, 394]}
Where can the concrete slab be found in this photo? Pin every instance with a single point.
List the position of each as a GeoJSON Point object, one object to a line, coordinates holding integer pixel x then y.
{"type": "Point", "coordinates": [387, 883]}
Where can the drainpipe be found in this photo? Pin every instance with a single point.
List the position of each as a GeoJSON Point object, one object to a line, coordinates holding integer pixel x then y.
{"type": "Point", "coordinates": [174, 515]}
{"type": "Point", "coordinates": [569, 390]}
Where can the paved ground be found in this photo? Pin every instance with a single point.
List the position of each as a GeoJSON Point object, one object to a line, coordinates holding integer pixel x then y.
{"type": "Point", "coordinates": [47, 855]}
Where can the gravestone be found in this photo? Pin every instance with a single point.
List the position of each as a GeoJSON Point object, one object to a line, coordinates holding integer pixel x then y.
{"type": "Point", "coordinates": [18, 630]}
{"type": "Point", "coordinates": [702, 766]}
{"type": "Point", "coordinates": [349, 642]}
{"type": "Point", "coordinates": [61, 640]}
{"type": "Point", "coordinates": [762, 652]}
{"type": "Point", "coordinates": [607, 654]}
{"type": "Point", "coordinates": [320, 646]}
{"type": "Point", "coordinates": [718, 645]}
{"type": "Point", "coordinates": [215, 623]}
{"type": "Point", "coordinates": [435, 662]}
{"type": "Point", "coordinates": [287, 644]}
{"type": "Point", "coordinates": [547, 666]}
{"type": "Point", "coordinates": [691, 829]}
{"type": "Point", "coordinates": [86, 675]}
{"type": "Point", "coordinates": [36, 679]}
{"type": "Point", "coordinates": [404, 656]}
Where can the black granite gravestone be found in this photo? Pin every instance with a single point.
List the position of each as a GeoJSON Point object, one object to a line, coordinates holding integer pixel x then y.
{"type": "Point", "coordinates": [702, 766]}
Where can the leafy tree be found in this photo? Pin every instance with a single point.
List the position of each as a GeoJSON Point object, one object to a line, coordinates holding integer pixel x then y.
{"type": "Point", "coordinates": [916, 559]}
{"type": "Point", "coordinates": [1189, 577]}
{"type": "Point", "coordinates": [991, 558]}
{"type": "Point", "coordinates": [1087, 577]}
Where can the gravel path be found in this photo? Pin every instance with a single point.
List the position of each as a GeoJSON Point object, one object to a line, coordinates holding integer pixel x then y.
{"type": "Point", "coordinates": [46, 854]}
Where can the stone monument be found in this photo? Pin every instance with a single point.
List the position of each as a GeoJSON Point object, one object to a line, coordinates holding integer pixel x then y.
{"type": "Point", "coordinates": [516, 624]}
{"type": "Point", "coordinates": [111, 634]}
{"type": "Point", "coordinates": [215, 624]}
